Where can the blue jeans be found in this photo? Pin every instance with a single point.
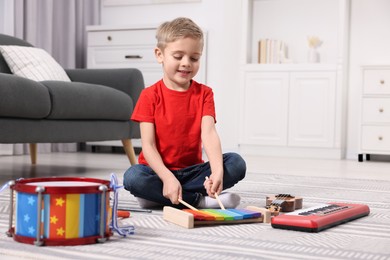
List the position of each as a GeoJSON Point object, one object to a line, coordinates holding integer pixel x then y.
{"type": "Point", "coordinates": [144, 183]}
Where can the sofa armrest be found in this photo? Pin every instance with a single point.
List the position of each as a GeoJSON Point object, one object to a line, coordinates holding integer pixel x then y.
{"type": "Point", "coordinates": [23, 98]}
{"type": "Point", "coordinates": [128, 80]}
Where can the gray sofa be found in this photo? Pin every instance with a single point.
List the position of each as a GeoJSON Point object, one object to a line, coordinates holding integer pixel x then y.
{"type": "Point", "coordinates": [95, 106]}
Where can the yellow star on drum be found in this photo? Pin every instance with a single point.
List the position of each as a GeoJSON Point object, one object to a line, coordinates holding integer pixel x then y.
{"type": "Point", "coordinates": [60, 231]}
{"type": "Point", "coordinates": [60, 202]}
{"type": "Point", "coordinates": [53, 219]}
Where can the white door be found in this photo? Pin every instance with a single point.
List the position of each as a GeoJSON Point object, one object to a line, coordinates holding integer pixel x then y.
{"type": "Point", "coordinates": [265, 108]}
{"type": "Point", "coordinates": [312, 109]}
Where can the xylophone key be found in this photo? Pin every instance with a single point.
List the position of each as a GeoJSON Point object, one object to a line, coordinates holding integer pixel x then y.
{"type": "Point", "coordinates": [246, 213]}
{"type": "Point", "coordinates": [228, 212]}
{"type": "Point", "coordinates": [200, 215]}
{"type": "Point", "coordinates": [219, 214]}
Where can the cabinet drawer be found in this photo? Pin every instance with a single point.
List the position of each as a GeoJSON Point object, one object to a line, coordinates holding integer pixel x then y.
{"type": "Point", "coordinates": [376, 81]}
{"type": "Point", "coordinates": [376, 110]}
{"type": "Point", "coordinates": [121, 56]}
{"type": "Point", "coordinates": [122, 37]}
{"type": "Point", "coordinates": [376, 138]}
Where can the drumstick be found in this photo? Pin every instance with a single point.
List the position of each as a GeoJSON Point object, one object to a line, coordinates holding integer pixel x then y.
{"type": "Point", "coordinates": [188, 205]}
{"type": "Point", "coordinates": [218, 199]}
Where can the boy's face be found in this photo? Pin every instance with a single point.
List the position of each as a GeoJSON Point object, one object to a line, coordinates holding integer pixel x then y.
{"type": "Point", "coordinates": [181, 61]}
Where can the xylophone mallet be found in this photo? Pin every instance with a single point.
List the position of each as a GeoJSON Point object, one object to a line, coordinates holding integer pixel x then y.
{"type": "Point", "coordinates": [188, 205]}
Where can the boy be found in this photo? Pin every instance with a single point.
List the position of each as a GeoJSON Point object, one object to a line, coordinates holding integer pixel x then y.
{"type": "Point", "coordinates": [177, 117]}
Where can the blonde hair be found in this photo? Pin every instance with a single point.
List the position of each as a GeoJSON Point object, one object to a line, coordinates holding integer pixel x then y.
{"type": "Point", "coordinates": [178, 28]}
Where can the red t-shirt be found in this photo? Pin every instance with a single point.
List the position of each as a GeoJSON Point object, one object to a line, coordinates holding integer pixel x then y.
{"type": "Point", "coordinates": [177, 118]}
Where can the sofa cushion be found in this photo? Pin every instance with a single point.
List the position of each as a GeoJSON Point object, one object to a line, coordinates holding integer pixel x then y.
{"type": "Point", "coordinates": [23, 98]}
{"type": "Point", "coordinates": [32, 63]}
{"type": "Point", "coordinates": [9, 40]}
{"type": "Point", "coordinates": [76, 100]}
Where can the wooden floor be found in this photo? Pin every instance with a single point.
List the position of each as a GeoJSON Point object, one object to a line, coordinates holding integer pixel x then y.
{"type": "Point", "coordinates": [100, 165]}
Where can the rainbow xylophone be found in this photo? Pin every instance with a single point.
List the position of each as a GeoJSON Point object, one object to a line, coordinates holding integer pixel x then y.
{"type": "Point", "coordinates": [190, 218]}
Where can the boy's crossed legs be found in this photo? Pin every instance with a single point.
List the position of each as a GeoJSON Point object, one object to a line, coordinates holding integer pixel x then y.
{"type": "Point", "coordinates": [144, 184]}
{"type": "Point", "coordinates": [229, 200]}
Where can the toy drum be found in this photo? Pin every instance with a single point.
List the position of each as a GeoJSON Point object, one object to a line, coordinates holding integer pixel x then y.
{"type": "Point", "coordinates": [60, 211]}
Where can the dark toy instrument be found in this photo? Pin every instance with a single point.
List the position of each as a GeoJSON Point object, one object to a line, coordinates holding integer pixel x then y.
{"type": "Point", "coordinates": [283, 203]}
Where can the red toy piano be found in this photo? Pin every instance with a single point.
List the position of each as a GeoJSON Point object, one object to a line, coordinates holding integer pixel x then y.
{"type": "Point", "coordinates": [320, 217]}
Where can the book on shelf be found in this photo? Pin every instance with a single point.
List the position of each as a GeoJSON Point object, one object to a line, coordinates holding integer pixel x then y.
{"type": "Point", "coordinates": [271, 51]}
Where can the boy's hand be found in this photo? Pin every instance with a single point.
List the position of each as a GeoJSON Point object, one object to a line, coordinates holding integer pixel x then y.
{"type": "Point", "coordinates": [213, 184]}
{"type": "Point", "coordinates": [172, 190]}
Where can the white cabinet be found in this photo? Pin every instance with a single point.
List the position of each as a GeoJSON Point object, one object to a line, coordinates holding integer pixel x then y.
{"type": "Point", "coordinates": [288, 108]}
{"type": "Point", "coordinates": [123, 48]}
{"type": "Point", "coordinates": [375, 111]}
{"type": "Point", "coordinates": [296, 108]}
{"type": "Point", "coordinates": [291, 110]}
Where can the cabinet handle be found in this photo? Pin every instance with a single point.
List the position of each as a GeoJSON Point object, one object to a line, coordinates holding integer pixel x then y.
{"type": "Point", "coordinates": [133, 57]}
{"type": "Point", "coordinates": [382, 81]}
{"type": "Point", "coordinates": [381, 110]}
{"type": "Point", "coordinates": [380, 138]}
{"type": "Point", "coordinates": [109, 38]}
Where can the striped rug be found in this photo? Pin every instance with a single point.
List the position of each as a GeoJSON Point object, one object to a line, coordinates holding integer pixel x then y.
{"type": "Point", "coordinates": [365, 238]}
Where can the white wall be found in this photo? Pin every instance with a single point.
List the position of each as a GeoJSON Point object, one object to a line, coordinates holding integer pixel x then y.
{"type": "Point", "coordinates": [369, 43]}
{"type": "Point", "coordinates": [221, 19]}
